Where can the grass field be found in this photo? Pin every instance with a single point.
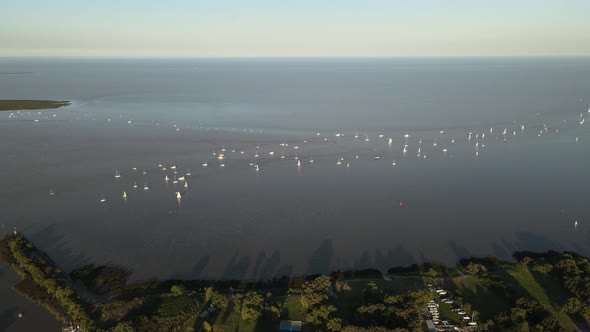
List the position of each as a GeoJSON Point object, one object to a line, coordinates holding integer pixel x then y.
{"type": "Point", "coordinates": [293, 308]}
{"type": "Point", "coordinates": [230, 321]}
{"type": "Point", "coordinates": [446, 313]}
{"type": "Point", "coordinates": [539, 286]}
{"type": "Point", "coordinates": [174, 305]}
{"type": "Point", "coordinates": [482, 299]}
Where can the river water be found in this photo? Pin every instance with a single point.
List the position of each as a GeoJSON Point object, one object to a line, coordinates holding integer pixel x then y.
{"type": "Point", "coordinates": [490, 195]}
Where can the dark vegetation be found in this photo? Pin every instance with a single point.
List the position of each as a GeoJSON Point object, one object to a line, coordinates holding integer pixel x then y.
{"type": "Point", "coordinates": [16, 105]}
{"type": "Point", "coordinates": [539, 292]}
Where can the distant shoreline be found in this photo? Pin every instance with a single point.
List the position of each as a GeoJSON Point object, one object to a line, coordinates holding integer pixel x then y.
{"type": "Point", "coordinates": [23, 105]}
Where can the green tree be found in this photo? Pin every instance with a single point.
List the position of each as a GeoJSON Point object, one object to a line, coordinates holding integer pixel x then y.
{"type": "Point", "coordinates": [208, 294]}
{"type": "Point", "coordinates": [124, 327]}
{"type": "Point", "coordinates": [251, 306]}
{"type": "Point", "coordinates": [219, 300]}
{"type": "Point", "coordinates": [473, 268]}
{"type": "Point", "coordinates": [320, 314]}
{"type": "Point", "coordinates": [573, 305]}
{"type": "Point", "coordinates": [178, 290]}
{"type": "Point", "coordinates": [334, 324]}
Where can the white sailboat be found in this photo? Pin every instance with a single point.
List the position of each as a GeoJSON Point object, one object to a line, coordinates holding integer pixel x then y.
{"type": "Point", "coordinates": [117, 174]}
{"type": "Point", "coordinates": [51, 193]}
{"type": "Point", "coordinates": [145, 187]}
{"type": "Point", "coordinates": [144, 172]}
{"type": "Point", "coordinates": [205, 164]}
{"type": "Point", "coordinates": [124, 195]}
{"type": "Point", "coordinates": [135, 184]}
{"type": "Point", "coordinates": [178, 195]}
{"type": "Point", "coordinates": [188, 172]}
{"type": "Point", "coordinates": [166, 178]}
{"type": "Point", "coordinates": [102, 199]}
{"type": "Point", "coordinates": [298, 163]}
{"type": "Point", "coordinates": [186, 185]}
{"type": "Point", "coordinates": [182, 178]}
{"type": "Point", "coordinates": [175, 180]}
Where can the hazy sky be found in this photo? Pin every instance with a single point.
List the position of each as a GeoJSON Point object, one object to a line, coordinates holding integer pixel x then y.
{"type": "Point", "coordinates": [210, 28]}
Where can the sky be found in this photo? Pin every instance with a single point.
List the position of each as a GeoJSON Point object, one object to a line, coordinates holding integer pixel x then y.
{"type": "Point", "coordinates": [302, 28]}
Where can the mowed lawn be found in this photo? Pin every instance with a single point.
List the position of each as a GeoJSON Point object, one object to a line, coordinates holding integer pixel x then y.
{"type": "Point", "coordinates": [292, 308]}
{"type": "Point", "coordinates": [539, 286]}
{"type": "Point", "coordinates": [484, 300]}
{"type": "Point", "coordinates": [231, 321]}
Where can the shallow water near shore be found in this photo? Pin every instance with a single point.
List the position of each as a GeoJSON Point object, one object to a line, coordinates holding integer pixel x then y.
{"type": "Point", "coordinates": [34, 316]}
{"type": "Point", "coordinates": [522, 190]}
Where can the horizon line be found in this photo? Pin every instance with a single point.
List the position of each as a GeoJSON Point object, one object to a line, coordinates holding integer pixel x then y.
{"type": "Point", "coordinates": [288, 57]}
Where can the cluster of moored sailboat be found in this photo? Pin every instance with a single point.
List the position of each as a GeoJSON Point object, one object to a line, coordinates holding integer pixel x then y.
{"type": "Point", "coordinates": [440, 146]}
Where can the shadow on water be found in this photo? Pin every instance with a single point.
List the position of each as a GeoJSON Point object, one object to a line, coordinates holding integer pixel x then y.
{"type": "Point", "coordinates": [7, 318]}
{"type": "Point", "coordinates": [394, 257]}
{"type": "Point", "coordinates": [531, 242]}
{"type": "Point", "coordinates": [501, 252]}
{"type": "Point", "coordinates": [237, 268]}
{"type": "Point", "coordinates": [510, 247]}
{"type": "Point", "coordinates": [459, 250]}
{"type": "Point", "coordinates": [259, 260]}
{"type": "Point", "coordinates": [199, 267]}
{"type": "Point", "coordinates": [197, 271]}
{"type": "Point", "coordinates": [269, 267]}
{"type": "Point", "coordinates": [52, 243]}
{"type": "Point", "coordinates": [384, 260]}
{"type": "Point", "coordinates": [321, 259]}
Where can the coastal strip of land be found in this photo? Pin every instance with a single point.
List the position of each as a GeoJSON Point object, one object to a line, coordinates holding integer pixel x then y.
{"type": "Point", "coordinates": [21, 104]}
{"type": "Point", "coordinates": [538, 291]}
